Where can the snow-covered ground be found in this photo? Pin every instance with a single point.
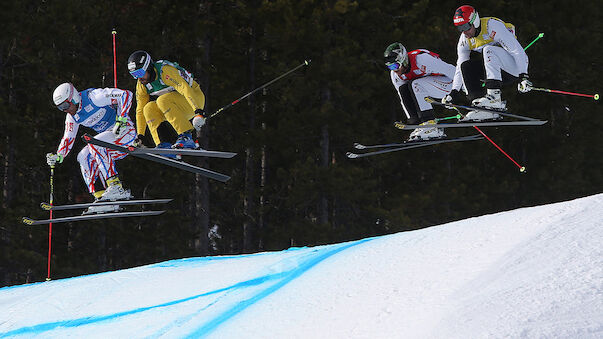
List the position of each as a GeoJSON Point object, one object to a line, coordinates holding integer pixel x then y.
{"type": "Point", "coordinates": [533, 272]}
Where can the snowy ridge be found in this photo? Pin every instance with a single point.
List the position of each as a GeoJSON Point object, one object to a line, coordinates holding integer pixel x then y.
{"type": "Point", "coordinates": [532, 272]}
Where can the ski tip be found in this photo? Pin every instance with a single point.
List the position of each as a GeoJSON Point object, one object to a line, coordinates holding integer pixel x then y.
{"type": "Point", "coordinates": [399, 125]}
{"type": "Point", "coordinates": [28, 221]}
{"type": "Point", "coordinates": [46, 206]}
{"type": "Point", "coordinates": [359, 146]}
{"type": "Point", "coordinates": [351, 155]}
{"type": "Point", "coordinates": [307, 62]}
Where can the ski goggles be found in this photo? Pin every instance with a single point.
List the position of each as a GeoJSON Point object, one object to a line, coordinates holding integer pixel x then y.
{"type": "Point", "coordinates": [63, 106]}
{"type": "Point", "coordinates": [139, 73]}
{"type": "Point", "coordinates": [464, 27]}
{"type": "Point", "coordinates": [394, 66]}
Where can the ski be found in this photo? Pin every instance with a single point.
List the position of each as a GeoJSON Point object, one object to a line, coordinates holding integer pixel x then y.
{"type": "Point", "coordinates": [183, 151]}
{"type": "Point", "coordinates": [473, 108]}
{"type": "Point", "coordinates": [47, 207]}
{"type": "Point", "coordinates": [401, 125]}
{"type": "Point", "coordinates": [398, 144]}
{"type": "Point", "coordinates": [30, 221]}
{"type": "Point", "coordinates": [158, 158]}
{"type": "Point", "coordinates": [409, 145]}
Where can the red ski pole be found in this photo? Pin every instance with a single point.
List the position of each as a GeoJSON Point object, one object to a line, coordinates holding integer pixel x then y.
{"type": "Point", "coordinates": [50, 224]}
{"type": "Point", "coordinates": [522, 169]}
{"type": "Point", "coordinates": [114, 32]}
{"type": "Point", "coordinates": [594, 96]}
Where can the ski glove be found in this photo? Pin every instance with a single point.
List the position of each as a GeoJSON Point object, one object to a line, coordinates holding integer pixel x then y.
{"type": "Point", "coordinates": [524, 85]}
{"type": "Point", "coordinates": [451, 98]}
{"type": "Point", "coordinates": [199, 119]}
{"type": "Point", "coordinates": [120, 126]}
{"type": "Point", "coordinates": [52, 159]}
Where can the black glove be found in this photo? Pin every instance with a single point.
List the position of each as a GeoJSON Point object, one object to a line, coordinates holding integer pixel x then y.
{"type": "Point", "coordinates": [138, 141]}
{"type": "Point", "coordinates": [453, 97]}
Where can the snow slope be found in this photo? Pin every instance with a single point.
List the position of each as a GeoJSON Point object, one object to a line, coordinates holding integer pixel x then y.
{"type": "Point", "coordinates": [533, 272]}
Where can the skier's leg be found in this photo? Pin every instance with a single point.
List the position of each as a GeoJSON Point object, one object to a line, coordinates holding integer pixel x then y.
{"type": "Point", "coordinates": [437, 86]}
{"type": "Point", "coordinates": [89, 169]}
{"type": "Point", "coordinates": [473, 72]}
{"type": "Point", "coordinates": [408, 104]}
{"type": "Point", "coordinates": [179, 112]}
{"type": "Point", "coordinates": [154, 118]}
{"type": "Point", "coordinates": [106, 162]}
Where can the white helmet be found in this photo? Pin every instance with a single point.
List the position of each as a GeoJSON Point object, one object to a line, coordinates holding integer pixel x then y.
{"type": "Point", "coordinates": [64, 94]}
{"type": "Point", "coordinates": [396, 56]}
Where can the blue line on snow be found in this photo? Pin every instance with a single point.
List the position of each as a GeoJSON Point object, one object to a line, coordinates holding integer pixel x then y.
{"type": "Point", "coordinates": [285, 277]}
{"type": "Point", "coordinates": [289, 276]}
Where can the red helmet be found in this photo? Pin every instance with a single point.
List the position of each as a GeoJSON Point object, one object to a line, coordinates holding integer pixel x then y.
{"type": "Point", "coordinates": [465, 17]}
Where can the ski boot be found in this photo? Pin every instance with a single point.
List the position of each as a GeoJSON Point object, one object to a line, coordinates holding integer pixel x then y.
{"type": "Point", "coordinates": [167, 145]}
{"type": "Point", "coordinates": [185, 140]}
{"type": "Point", "coordinates": [492, 101]}
{"type": "Point", "coordinates": [101, 209]}
{"type": "Point", "coordinates": [423, 134]}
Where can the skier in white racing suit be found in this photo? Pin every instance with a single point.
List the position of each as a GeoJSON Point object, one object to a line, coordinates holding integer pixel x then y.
{"type": "Point", "coordinates": [105, 110]}
{"type": "Point", "coordinates": [416, 75]}
{"type": "Point", "coordinates": [503, 61]}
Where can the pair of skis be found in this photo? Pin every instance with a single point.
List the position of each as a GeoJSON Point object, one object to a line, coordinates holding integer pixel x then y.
{"type": "Point", "coordinates": [394, 147]}
{"type": "Point", "coordinates": [48, 207]}
{"type": "Point", "coordinates": [522, 120]}
{"type": "Point", "coordinates": [152, 154]}
{"type": "Point", "coordinates": [156, 155]}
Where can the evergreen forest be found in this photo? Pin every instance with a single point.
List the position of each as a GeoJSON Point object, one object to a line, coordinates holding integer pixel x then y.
{"type": "Point", "coordinates": [292, 184]}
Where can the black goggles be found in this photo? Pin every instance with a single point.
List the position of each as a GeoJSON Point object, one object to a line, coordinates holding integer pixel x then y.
{"type": "Point", "coordinates": [464, 27]}
{"type": "Point", "coordinates": [64, 105]}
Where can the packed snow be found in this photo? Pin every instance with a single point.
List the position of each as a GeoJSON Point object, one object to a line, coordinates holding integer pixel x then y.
{"type": "Point", "coordinates": [533, 272]}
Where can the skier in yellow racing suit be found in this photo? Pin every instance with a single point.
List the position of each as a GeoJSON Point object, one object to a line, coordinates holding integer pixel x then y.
{"type": "Point", "coordinates": [179, 101]}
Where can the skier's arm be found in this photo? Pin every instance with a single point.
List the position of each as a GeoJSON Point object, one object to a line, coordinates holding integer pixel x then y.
{"type": "Point", "coordinates": [463, 53]}
{"type": "Point", "coordinates": [397, 82]}
{"type": "Point", "coordinates": [183, 83]}
{"type": "Point", "coordinates": [120, 99]}
{"type": "Point", "coordinates": [435, 65]}
{"type": "Point", "coordinates": [507, 40]}
{"type": "Point", "coordinates": [69, 135]}
{"type": "Point", "coordinates": [142, 99]}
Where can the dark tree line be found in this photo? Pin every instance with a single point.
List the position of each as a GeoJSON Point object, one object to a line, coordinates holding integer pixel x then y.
{"type": "Point", "coordinates": [291, 182]}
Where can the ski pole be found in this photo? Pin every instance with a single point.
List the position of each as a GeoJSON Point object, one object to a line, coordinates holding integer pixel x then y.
{"type": "Point", "coordinates": [594, 96]}
{"type": "Point", "coordinates": [50, 224]}
{"type": "Point", "coordinates": [305, 63]}
{"type": "Point", "coordinates": [114, 32]}
{"type": "Point", "coordinates": [522, 169]}
{"type": "Point", "coordinates": [530, 44]}
{"type": "Point", "coordinates": [458, 116]}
